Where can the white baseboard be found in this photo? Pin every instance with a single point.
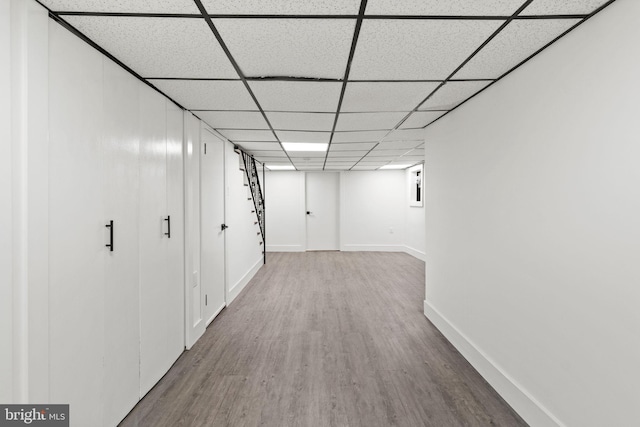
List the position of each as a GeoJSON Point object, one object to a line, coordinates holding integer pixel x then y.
{"type": "Point", "coordinates": [285, 248]}
{"type": "Point", "coordinates": [385, 248]}
{"type": "Point", "coordinates": [415, 253]}
{"type": "Point", "coordinates": [215, 314]}
{"type": "Point", "coordinates": [520, 400]}
{"type": "Point", "coordinates": [372, 248]}
{"type": "Point", "coordinates": [235, 290]}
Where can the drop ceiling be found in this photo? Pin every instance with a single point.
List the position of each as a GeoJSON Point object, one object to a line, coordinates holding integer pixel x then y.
{"type": "Point", "coordinates": [366, 77]}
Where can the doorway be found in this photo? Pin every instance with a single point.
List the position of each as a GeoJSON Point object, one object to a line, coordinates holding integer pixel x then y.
{"type": "Point", "coordinates": [322, 211]}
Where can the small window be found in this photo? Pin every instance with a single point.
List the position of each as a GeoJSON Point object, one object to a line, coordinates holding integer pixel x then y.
{"type": "Point", "coordinates": [416, 179]}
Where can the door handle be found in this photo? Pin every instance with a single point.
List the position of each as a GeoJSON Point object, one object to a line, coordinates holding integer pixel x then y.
{"type": "Point", "coordinates": [223, 227]}
{"type": "Point", "coordinates": [168, 233]}
{"type": "Point", "coordinates": [110, 244]}
{"type": "Point", "coordinates": [309, 212]}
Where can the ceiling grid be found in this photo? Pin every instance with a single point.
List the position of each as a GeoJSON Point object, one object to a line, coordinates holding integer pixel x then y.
{"type": "Point", "coordinates": [362, 77]}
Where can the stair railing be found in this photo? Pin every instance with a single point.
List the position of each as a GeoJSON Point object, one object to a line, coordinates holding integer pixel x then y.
{"type": "Point", "coordinates": [252, 180]}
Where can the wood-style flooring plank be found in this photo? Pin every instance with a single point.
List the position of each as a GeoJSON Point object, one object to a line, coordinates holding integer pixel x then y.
{"type": "Point", "coordinates": [325, 339]}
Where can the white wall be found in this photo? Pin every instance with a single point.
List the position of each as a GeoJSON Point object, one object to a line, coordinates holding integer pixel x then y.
{"type": "Point", "coordinates": [372, 210]}
{"type": "Point", "coordinates": [243, 248]}
{"type": "Point", "coordinates": [372, 203]}
{"type": "Point", "coordinates": [6, 217]}
{"type": "Point", "coordinates": [414, 233]}
{"type": "Point", "coordinates": [285, 203]}
{"type": "Point", "coordinates": [533, 245]}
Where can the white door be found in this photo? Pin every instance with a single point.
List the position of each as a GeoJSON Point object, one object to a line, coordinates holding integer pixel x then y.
{"type": "Point", "coordinates": [212, 218]}
{"type": "Point", "coordinates": [322, 211]}
{"type": "Point", "coordinates": [77, 232]}
{"type": "Point", "coordinates": [154, 290]}
{"type": "Point", "coordinates": [121, 294]}
{"type": "Point", "coordinates": [175, 212]}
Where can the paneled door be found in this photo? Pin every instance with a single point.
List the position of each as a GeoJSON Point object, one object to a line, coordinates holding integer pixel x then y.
{"type": "Point", "coordinates": [121, 291]}
{"type": "Point", "coordinates": [154, 290]}
{"type": "Point", "coordinates": [322, 211]}
{"type": "Point", "coordinates": [212, 262]}
{"type": "Point", "coordinates": [77, 232]}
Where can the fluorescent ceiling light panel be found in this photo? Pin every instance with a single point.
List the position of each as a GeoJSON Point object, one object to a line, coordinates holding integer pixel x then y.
{"type": "Point", "coordinates": [395, 166]}
{"type": "Point", "coordinates": [305, 146]}
{"type": "Point", "coordinates": [280, 167]}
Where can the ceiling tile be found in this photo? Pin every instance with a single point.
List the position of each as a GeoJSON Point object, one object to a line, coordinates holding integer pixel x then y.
{"type": "Point", "coordinates": [388, 96]}
{"type": "Point", "coordinates": [261, 146]}
{"type": "Point", "coordinates": [366, 136]}
{"type": "Point", "coordinates": [301, 121]}
{"type": "Point", "coordinates": [396, 145]}
{"type": "Point", "coordinates": [247, 135]}
{"type": "Point", "coordinates": [348, 146]}
{"type": "Point", "coordinates": [452, 94]}
{"type": "Point", "coordinates": [159, 47]}
{"type": "Point", "coordinates": [293, 136]}
{"type": "Point", "coordinates": [297, 96]}
{"type": "Point", "coordinates": [406, 135]}
{"type": "Point", "coordinates": [282, 7]}
{"type": "Point", "coordinates": [377, 152]}
{"type": "Point", "coordinates": [565, 7]}
{"type": "Point", "coordinates": [307, 155]}
{"type": "Point", "coordinates": [123, 6]}
{"type": "Point", "coordinates": [351, 159]}
{"type": "Point", "coordinates": [316, 48]}
{"type": "Point", "coordinates": [266, 154]}
{"type": "Point", "coordinates": [207, 95]}
{"type": "Point", "coordinates": [512, 45]}
{"type": "Point", "coordinates": [443, 7]}
{"type": "Point", "coordinates": [366, 121]}
{"type": "Point", "coordinates": [233, 119]}
{"type": "Point", "coordinates": [416, 49]}
{"type": "Point", "coordinates": [421, 119]}
{"type": "Point", "coordinates": [364, 167]}
{"type": "Point", "coordinates": [336, 154]}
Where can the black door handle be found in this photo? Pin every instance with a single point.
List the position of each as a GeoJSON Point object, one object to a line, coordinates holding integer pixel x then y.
{"type": "Point", "coordinates": [309, 213]}
{"type": "Point", "coordinates": [168, 233]}
{"type": "Point", "coordinates": [223, 227]}
{"type": "Point", "coordinates": [110, 244]}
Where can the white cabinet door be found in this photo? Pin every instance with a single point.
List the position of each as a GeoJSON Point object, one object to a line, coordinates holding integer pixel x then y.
{"type": "Point", "coordinates": [212, 217]}
{"type": "Point", "coordinates": [77, 233]}
{"type": "Point", "coordinates": [121, 295]}
{"type": "Point", "coordinates": [154, 318]}
{"type": "Point", "coordinates": [175, 208]}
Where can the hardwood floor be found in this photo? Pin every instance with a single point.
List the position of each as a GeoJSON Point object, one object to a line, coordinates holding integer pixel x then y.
{"type": "Point", "coordinates": [325, 339]}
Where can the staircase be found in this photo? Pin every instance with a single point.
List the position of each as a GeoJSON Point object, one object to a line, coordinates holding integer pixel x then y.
{"type": "Point", "coordinates": [252, 180]}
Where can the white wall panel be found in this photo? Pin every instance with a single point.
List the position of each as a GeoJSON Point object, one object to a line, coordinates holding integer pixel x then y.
{"type": "Point", "coordinates": [533, 235]}
{"type": "Point", "coordinates": [286, 229]}
{"type": "Point", "coordinates": [77, 233]}
{"type": "Point", "coordinates": [372, 210]}
{"type": "Point", "coordinates": [6, 217]}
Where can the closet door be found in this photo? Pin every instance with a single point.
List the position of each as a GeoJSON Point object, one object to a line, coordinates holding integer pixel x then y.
{"type": "Point", "coordinates": [77, 232]}
{"type": "Point", "coordinates": [175, 208]}
{"type": "Point", "coordinates": [212, 217]}
{"type": "Point", "coordinates": [121, 294]}
{"type": "Point", "coordinates": [155, 357]}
